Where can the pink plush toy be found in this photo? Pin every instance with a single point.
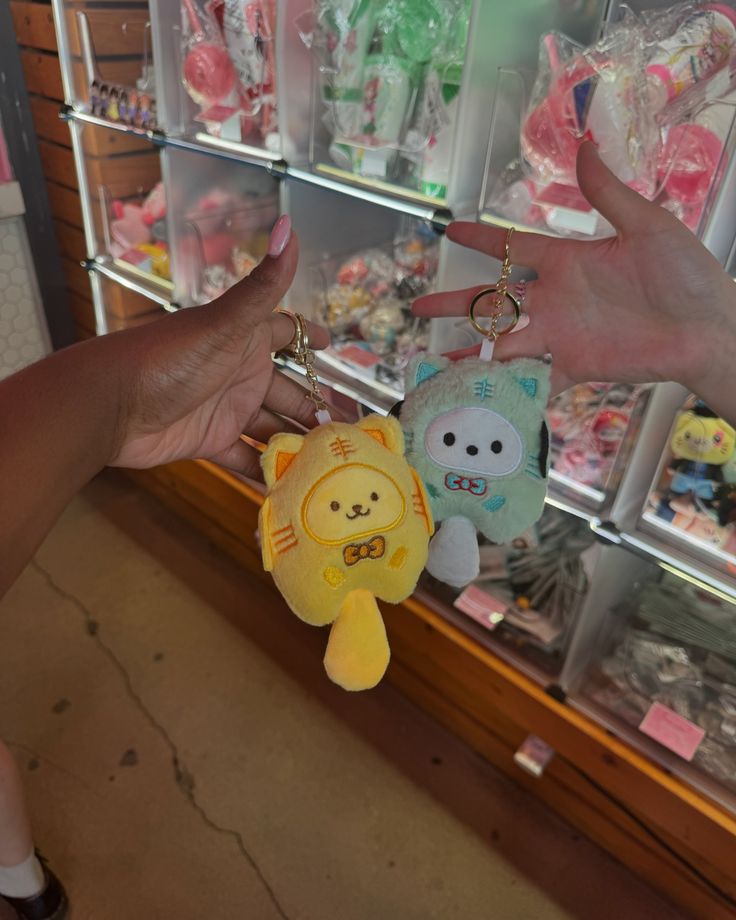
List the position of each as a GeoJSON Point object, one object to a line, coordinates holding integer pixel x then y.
{"type": "Point", "coordinates": [154, 207]}
{"type": "Point", "coordinates": [128, 227]}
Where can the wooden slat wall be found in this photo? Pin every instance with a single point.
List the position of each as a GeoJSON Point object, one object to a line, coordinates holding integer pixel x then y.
{"type": "Point", "coordinates": [125, 165]}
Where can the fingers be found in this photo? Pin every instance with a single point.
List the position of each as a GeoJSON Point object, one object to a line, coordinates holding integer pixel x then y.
{"type": "Point", "coordinates": [283, 329]}
{"type": "Point", "coordinates": [447, 303]}
{"type": "Point", "coordinates": [457, 303]}
{"type": "Point", "coordinates": [626, 209]}
{"type": "Point", "coordinates": [529, 249]}
{"type": "Point", "coordinates": [268, 423]}
{"type": "Point", "coordinates": [240, 458]}
{"type": "Point", "coordinates": [260, 293]}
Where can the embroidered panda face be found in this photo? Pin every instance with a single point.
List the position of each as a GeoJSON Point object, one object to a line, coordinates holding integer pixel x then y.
{"type": "Point", "coordinates": [474, 440]}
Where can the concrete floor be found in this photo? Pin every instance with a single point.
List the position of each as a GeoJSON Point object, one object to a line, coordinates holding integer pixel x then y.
{"type": "Point", "coordinates": [176, 771]}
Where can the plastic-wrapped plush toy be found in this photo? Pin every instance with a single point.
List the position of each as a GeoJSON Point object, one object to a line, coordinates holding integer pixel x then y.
{"type": "Point", "coordinates": [346, 520]}
{"type": "Point", "coordinates": [702, 444]}
{"type": "Point", "coordinates": [654, 93]}
{"type": "Point", "coordinates": [477, 435]}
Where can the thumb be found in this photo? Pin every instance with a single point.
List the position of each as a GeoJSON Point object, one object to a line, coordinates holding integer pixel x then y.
{"type": "Point", "coordinates": [626, 209]}
{"type": "Point", "coordinates": [261, 292]}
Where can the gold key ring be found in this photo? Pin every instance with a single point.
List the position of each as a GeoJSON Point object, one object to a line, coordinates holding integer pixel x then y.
{"type": "Point", "coordinates": [303, 355]}
{"type": "Point", "coordinates": [493, 332]}
{"type": "Point", "coordinates": [500, 291]}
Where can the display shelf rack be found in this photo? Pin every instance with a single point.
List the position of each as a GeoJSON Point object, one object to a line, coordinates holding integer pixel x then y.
{"type": "Point", "coordinates": [374, 193]}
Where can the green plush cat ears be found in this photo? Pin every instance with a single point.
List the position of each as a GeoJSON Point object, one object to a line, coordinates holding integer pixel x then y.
{"type": "Point", "coordinates": [424, 367]}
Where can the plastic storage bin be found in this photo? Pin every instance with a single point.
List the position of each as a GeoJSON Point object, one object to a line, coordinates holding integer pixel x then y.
{"type": "Point", "coordinates": [365, 302]}
{"type": "Point", "coordinates": [221, 217]}
{"type": "Point", "coordinates": [217, 65]}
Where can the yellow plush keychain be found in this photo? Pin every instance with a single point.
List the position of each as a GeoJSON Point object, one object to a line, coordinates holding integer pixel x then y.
{"type": "Point", "coordinates": [345, 520]}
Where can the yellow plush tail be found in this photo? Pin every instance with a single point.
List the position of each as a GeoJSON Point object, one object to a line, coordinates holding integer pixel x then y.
{"type": "Point", "coordinates": [357, 651]}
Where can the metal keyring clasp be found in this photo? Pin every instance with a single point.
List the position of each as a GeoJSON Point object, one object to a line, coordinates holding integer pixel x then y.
{"type": "Point", "coordinates": [493, 333]}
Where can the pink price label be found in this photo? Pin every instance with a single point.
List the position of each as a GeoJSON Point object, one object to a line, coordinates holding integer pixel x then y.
{"type": "Point", "coordinates": [482, 607]}
{"type": "Point", "coordinates": [672, 730]}
{"type": "Point", "coordinates": [360, 356]}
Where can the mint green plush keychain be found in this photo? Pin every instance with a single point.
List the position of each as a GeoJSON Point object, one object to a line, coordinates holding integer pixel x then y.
{"type": "Point", "coordinates": [476, 433]}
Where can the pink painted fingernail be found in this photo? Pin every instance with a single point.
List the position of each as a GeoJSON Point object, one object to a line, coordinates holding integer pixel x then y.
{"type": "Point", "coordinates": [280, 236]}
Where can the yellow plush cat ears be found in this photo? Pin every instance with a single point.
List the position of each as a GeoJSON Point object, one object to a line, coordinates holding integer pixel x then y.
{"type": "Point", "coordinates": [283, 448]}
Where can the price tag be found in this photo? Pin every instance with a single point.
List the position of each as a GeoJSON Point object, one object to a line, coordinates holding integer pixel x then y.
{"type": "Point", "coordinates": [482, 607]}
{"type": "Point", "coordinates": [534, 755]}
{"type": "Point", "coordinates": [354, 354]}
{"type": "Point", "coordinates": [672, 730]}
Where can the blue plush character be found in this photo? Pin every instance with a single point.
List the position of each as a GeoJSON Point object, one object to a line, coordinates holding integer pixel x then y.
{"type": "Point", "coordinates": [476, 433]}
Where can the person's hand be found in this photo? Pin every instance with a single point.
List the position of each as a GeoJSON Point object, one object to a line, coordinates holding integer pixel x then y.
{"type": "Point", "coordinates": [192, 383]}
{"type": "Point", "coordinates": [648, 304]}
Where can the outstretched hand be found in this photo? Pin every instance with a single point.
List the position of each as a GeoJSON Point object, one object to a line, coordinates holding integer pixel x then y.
{"type": "Point", "coordinates": [648, 304]}
{"type": "Point", "coordinates": [205, 376]}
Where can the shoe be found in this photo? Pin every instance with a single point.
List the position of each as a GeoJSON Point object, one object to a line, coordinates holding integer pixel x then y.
{"type": "Point", "coordinates": [50, 904]}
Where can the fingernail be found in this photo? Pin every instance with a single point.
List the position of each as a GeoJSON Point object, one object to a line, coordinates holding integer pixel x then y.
{"type": "Point", "coordinates": [280, 236]}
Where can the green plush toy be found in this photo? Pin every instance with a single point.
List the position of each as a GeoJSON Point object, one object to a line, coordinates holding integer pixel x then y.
{"type": "Point", "coordinates": [475, 432]}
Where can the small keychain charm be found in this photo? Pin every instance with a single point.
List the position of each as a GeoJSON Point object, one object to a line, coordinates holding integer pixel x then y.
{"type": "Point", "coordinates": [476, 433]}
{"type": "Point", "coordinates": [345, 520]}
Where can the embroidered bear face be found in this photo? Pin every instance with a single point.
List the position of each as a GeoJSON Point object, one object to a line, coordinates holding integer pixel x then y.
{"type": "Point", "coordinates": [352, 502]}
{"type": "Point", "coordinates": [476, 433]}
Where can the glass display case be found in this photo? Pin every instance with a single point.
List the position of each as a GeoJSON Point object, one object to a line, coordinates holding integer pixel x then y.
{"type": "Point", "coordinates": [528, 595]}
{"type": "Point", "coordinates": [653, 89]}
{"type": "Point", "coordinates": [661, 671]}
{"type": "Point", "coordinates": [401, 90]}
{"type": "Point", "coordinates": [365, 299]}
{"type": "Point", "coordinates": [124, 196]}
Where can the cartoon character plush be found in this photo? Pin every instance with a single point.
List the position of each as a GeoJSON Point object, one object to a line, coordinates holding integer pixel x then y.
{"type": "Point", "coordinates": [346, 520]}
{"type": "Point", "coordinates": [702, 444]}
{"type": "Point", "coordinates": [476, 433]}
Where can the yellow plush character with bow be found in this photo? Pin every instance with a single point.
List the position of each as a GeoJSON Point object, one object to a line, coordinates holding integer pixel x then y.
{"type": "Point", "coordinates": [346, 520]}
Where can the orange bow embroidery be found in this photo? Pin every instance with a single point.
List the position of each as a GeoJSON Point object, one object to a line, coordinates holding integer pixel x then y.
{"type": "Point", "coordinates": [373, 549]}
